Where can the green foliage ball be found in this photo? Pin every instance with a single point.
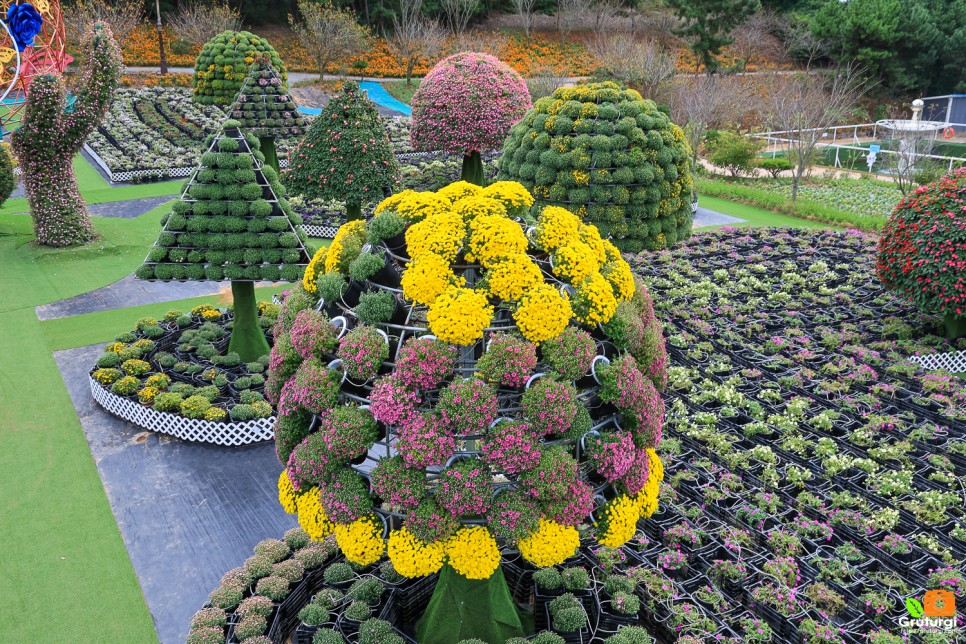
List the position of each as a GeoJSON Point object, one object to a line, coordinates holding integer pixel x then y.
{"type": "Point", "coordinates": [223, 65]}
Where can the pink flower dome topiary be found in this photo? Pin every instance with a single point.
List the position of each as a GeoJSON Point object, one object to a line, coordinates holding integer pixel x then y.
{"type": "Point", "coordinates": [468, 103]}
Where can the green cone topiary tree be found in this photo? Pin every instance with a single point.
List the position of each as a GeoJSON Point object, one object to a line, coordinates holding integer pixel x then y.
{"type": "Point", "coordinates": [265, 108]}
{"type": "Point", "coordinates": [346, 154]}
{"type": "Point", "coordinates": [224, 63]}
{"type": "Point", "coordinates": [610, 156]}
{"type": "Point", "coordinates": [232, 222]}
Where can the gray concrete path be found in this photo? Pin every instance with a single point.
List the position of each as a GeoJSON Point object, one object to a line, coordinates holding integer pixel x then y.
{"type": "Point", "coordinates": [705, 217]}
{"type": "Point", "coordinates": [128, 209]}
{"type": "Point", "coordinates": [187, 512]}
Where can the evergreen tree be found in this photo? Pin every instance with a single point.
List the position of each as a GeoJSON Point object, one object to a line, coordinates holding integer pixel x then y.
{"type": "Point", "coordinates": [346, 154]}
{"type": "Point", "coordinates": [265, 108]}
{"type": "Point", "coordinates": [709, 24]}
{"type": "Point", "coordinates": [232, 222]}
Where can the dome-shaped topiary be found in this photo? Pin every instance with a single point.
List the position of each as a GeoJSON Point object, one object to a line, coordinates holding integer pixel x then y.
{"type": "Point", "coordinates": [922, 250]}
{"type": "Point", "coordinates": [611, 157]}
{"type": "Point", "coordinates": [467, 104]}
{"type": "Point", "coordinates": [346, 154]}
{"type": "Point", "coordinates": [224, 63]}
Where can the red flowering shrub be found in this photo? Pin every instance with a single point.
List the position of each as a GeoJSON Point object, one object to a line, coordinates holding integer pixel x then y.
{"type": "Point", "coordinates": [922, 252]}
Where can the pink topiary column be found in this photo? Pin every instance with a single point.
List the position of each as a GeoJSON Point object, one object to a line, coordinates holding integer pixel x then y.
{"type": "Point", "coordinates": [51, 134]}
{"type": "Point", "coordinates": [467, 105]}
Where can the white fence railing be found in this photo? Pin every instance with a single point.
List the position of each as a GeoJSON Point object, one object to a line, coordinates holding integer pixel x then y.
{"type": "Point", "coordinates": [136, 175]}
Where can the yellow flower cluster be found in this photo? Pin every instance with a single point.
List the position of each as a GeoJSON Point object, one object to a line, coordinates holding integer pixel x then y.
{"type": "Point", "coordinates": [201, 309]}
{"type": "Point", "coordinates": [147, 394]}
{"type": "Point", "coordinates": [361, 541]}
{"type": "Point", "coordinates": [588, 234]}
{"type": "Point", "coordinates": [158, 381]}
{"type": "Point", "coordinates": [551, 544]}
{"type": "Point", "coordinates": [115, 347]}
{"type": "Point", "coordinates": [459, 315]}
{"type": "Point", "coordinates": [351, 235]}
{"type": "Point", "coordinates": [648, 497]}
{"type": "Point", "coordinates": [215, 414]}
{"type": "Point", "coordinates": [512, 195]}
{"type": "Point", "coordinates": [473, 553]}
{"type": "Point", "coordinates": [312, 270]}
{"type": "Point", "coordinates": [619, 522]}
{"type": "Point", "coordinates": [493, 238]}
{"type": "Point", "coordinates": [556, 227]}
{"type": "Point", "coordinates": [594, 302]}
{"type": "Point", "coordinates": [575, 262]}
{"type": "Point", "coordinates": [286, 493]}
{"type": "Point", "coordinates": [543, 313]}
{"type": "Point", "coordinates": [427, 277]}
{"type": "Point", "coordinates": [469, 208]}
{"type": "Point", "coordinates": [459, 190]}
{"type": "Point", "coordinates": [412, 557]}
{"type": "Point", "coordinates": [621, 279]}
{"type": "Point", "coordinates": [413, 206]}
{"type": "Point", "coordinates": [211, 314]}
{"type": "Point", "coordinates": [442, 234]}
{"type": "Point", "coordinates": [581, 178]}
{"type": "Point", "coordinates": [312, 517]}
{"type": "Point", "coordinates": [511, 278]}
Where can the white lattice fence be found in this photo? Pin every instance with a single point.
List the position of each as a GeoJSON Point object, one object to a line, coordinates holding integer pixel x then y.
{"type": "Point", "coordinates": [202, 431]}
{"type": "Point", "coordinates": [955, 362]}
{"type": "Point", "coordinates": [328, 232]}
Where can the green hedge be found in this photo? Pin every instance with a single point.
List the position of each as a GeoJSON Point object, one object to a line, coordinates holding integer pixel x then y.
{"type": "Point", "coordinates": [801, 208]}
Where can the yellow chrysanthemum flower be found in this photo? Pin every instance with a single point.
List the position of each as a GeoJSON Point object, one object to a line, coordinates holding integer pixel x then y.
{"type": "Point", "coordinates": [543, 313]}
{"type": "Point", "coordinates": [473, 553]}
{"type": "Point", "coordinates": [312, 270]}
{"type": "Point", "coordinates": [611, 252]}
{"type": "Point", "coordinates": [311, 516]}
{"type": "Point", "coordinates": [286, 493]}
{"type": "Point", "coordinates": [351, 236]}
{"type": "Point", "coordinates": [619, 521]}
{"type": "Point", "coordinates": [512, 195]}
{"type": "Point", "coordinates": [391, 202]}
{"type": "Point", "coordinates": [511, 277]}
{"type": "Point", "coordinates": [361, 541]}
{"type": "Point", "coordinates": [459, 190]}
{"type": "Point", "coordinates": [589, 235]}
{"type": "Point", "coordinates": [425, 278]}
{"type": "Point", "coordinates": [550, 545]}
{"type": "Point", "coordinates": [412, 557]}
{"type": "Point", "coordinates": [470, 208]}
{"type": "Point", "coordinates": [443, 234]}
{"type": "Point", "coordinates": [493, 237]}
{"type": "Point", "coordinates": [594, 301]}
{"type": "Point", "coordinates": [618, 274]}
{"type": "Point", "coordinates": [556, 227]}
{"type": "Point", "coordinates": [575, 262]}
{"type": "Point", "coordinates": [459, 315]}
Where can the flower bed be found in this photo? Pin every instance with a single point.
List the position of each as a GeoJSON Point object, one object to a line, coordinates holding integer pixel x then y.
{"type": "Point", "coordinates": [860, 197]}
{"type": "Point", "coordinates": [172, 375]}
{"type": "Point", "coordinates": [818, 473]}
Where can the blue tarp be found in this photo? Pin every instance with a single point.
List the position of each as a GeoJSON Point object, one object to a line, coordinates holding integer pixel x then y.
{"type": "Point", "coordinates": [377, 94]}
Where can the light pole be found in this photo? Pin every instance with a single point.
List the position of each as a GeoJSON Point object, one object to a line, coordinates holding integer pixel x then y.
{"type": "Point", "coordinates": [164, 63]}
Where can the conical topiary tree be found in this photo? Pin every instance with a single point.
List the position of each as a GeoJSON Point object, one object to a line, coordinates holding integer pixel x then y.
{"type": "Point", "coordinates": [223, 65]}
{"type": "Point", "coordinates": [232, 222]}
{"type": "Point", "coordinates": [265, 108]}
{"type": "Point", "coordinates": [466, 105]}
{"type": "Point", "coordinates": [346, 154]}
{"type": "Point", "coordinates": [49, 136]}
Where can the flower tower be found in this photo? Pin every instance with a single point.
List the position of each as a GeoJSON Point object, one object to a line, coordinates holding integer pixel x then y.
{"type": "Point", "coordinates": [466, 105]}
{"type": "Point", "coordinates": [266, 109]}
{"type": "Point", "coordinates": [610, 156]}
{"type": "Point", "coordinates": [453, 384]}
{"type": "Point", "coordinates": [50, 135]}
{"type": "Point", "coordinates": [224, 63]}
{"type": "Point", "coordinates": [346, 154]}
{"type": "Point", "coordinates": [922, 250]}
{"type": "Point", "coordinates": [232, 222]}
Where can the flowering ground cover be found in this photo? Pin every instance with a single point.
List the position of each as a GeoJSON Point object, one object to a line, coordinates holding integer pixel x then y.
{"type": "Point", "coordinates": [862, 197]}
{"type": "Point", "coordinates": [817, 475]}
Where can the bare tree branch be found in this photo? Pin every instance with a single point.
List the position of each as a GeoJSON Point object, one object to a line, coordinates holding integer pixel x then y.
{"type": "Point", "coordinates": [704, 102]}
{"type": "Point", "coordinates": [328, 32]}
{"type": "Point", "coordinates": [198, 22]}
{"type": "Point", "coordinates": [458, 14]}
{"type": "Point", "coordinates": [414, 37]}
{"type": "Point", "coordinates": [121, 15]}
{"type": "Point", "coordinates": [525, 9]}
{"type": "Point", "coordinates": [638, 61]}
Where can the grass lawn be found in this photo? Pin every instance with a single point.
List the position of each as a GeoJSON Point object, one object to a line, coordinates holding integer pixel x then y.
{"type": "Point", "coordinates": [400, 91]}
{"type": "Point", "coordinates": [754, 216]}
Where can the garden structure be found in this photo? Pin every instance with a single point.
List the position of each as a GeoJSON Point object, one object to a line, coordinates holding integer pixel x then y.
{"type": "Point", "coordinates": [265, 108]}
{"type": "Point", "coordinates": [461, 393]}
{"type": "Point", "coordinates": [50, 134]}
{"type": "Point", "coordinates": [231, 223]}
{"type": "Point", "coordinates": [224, 64]}
{"type": "Point", "coordinates": [612, 157]}
{"type": "Point", "coordinates": [922, 247]}
{"type": "Point", "coordinates": [466, 105]}
{"type": "Point", "coordinates": [346, 154]}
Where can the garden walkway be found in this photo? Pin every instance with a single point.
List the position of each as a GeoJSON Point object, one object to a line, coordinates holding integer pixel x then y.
{"type": "Point", "coordinates": [187, 512]}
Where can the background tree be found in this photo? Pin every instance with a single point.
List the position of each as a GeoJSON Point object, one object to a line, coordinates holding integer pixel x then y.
{"type": "Point", "coordinates": [346, 154]}
{"type": "Point", "coordinates": [49, 137]}
{"type": "Point", "coordinates": [414, 37]}
{"type": "Point", "coordinates": [458, 13]}
{"type": "Point", "coordinates": [641, 62]}
{"type": "Point", "coordinates": [122, 16]}
{"type": "Point", "coordinates": [328, 32]}
{"type": "Point", "coordinates": [198, 22]}
{"type": "Point", "coordinates": [703, 102]}
{"type": "Point", "coordinates": [231, 223]}
{"type": "Point", "coordinates": [466, 105]}
{"type": "Point", "coordinates": [525, 9]}
{"type": "Point", "coordinates": [806, 106]}
{"type": "Point", "coordinates": [736, 153]}
{"type": "Point", "coordinates": [709, 23]}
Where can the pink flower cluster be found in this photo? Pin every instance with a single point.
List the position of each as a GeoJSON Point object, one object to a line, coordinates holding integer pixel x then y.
{"type": "Point", "coordinates": [424, 363]}
{"type": "Point", "coordinates": [312, 334]}
{"type": "Point", "coordinates": [467, 406]}
{"type": "Point", "coordinates": [508, 360]}
{"type": "Point", "coordinates": [612, 454]}
{"type": "Point", "coordinates": [464, 489]}
{"type": "Point", "coordinates": [315, 388]}
{"type": "Point", "coordinates": [638, 399]}
{"type": "Point", "coordinates": [362, 351]}
{"type": "Point", "coordinates": [572, 509]}
{"type": "Point", "coordinates": [425, 442]}
{"type": "Point", "coordinates": [467, 103]}
{"type": "Point", "coordinates": [550, 406]}
{"type": "Point", "coordinates": [393, 404]}
{"type": "Point", "coordinates": [511, 447]}
{"type": "Point", "coordinates": [637, 474]}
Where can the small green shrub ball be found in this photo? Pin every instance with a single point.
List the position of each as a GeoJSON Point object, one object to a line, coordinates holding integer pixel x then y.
{"type": "Point", "coordinates": [313, 615]}
{"type": "Point", "coordinates": [291, 273]}
{"type": "Point", "coordinates": [260, 208]}
{"type": "Point", "coordinates": [144, 272]}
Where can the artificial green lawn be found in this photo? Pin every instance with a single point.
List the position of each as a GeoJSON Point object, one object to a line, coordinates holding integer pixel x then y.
{"type": "Point", "coordinates": [756, 216]}
{"type": "Point", "coordinates": [400, 91]}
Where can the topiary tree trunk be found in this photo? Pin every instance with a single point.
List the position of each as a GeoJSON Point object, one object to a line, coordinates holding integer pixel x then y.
{"type": "Point", "coordinates": [247, 337]}
{"type": "Point", "coordinates": [473, 169]}
{"type": "Point", "coordinates": [267, 145]}
{"type": "Point", "coordinates": [353, 211]}
{"type": "Point", "coordinates": [955, 326]}
{"type": "Point", "coordinates": [49, 137]}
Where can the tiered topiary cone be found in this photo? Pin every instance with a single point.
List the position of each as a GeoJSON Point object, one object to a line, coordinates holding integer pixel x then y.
{"type": "Point", "coordinates": [231, 223]}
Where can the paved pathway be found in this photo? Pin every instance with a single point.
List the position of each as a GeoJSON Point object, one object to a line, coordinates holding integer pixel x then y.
{"type": "Point", "coordinates": [188, 512]}
{"type": "Point", "coordinates": [127, 209]}
{"type": "Point", "coordinates": [705, 217]}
